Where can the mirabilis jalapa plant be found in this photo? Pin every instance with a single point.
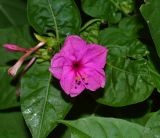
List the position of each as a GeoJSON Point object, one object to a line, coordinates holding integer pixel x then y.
{"type": "Point", "coordinates": [78, 65]}
{"type": "Point", "coordinates": [83, 59]}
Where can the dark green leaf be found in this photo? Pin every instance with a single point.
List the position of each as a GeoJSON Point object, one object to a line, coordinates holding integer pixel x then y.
{"type": "Point", "coordinates": [8, 92]}
{"type": "Point", "coordinates": [109, 10]}
{"type": "Point", "coordinates": [155, 75]}
{"type": "Point", "coordinates": [131, 26]}
{"type": "Point", "coordinates": [20, 36]}
{"type": "Point", "coordinates": [128, 76]}
{"type": "Point", "coordinates": [42, 103]}
{"type": "Point", "coordinates": [150, 11]}
{"type": "Point", "coordinates": [99, 127]}
{"type": "Point", "coordinates": [60, 16]}
{"type": "Point", "coordinates": [12, 13]}
{"type": "Point", "coordinates": [12, 126]}
{"type": "Point", "coordinates": [121, 44]}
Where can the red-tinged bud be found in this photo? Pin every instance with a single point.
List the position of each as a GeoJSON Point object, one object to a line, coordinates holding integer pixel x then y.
{"type": "Point", "coordinates": [13, 70]}
{"type": "Point", "coordinates": [14, 48]}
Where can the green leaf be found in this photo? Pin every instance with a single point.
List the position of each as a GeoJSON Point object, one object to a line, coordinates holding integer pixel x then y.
{"type": "Point", "coordinates": [154, 125]}
{"type": "Point", "coordinates": [12, 13]}
{"type": "Point", "coordinates": [8, 92]}
{"type": "Point", "coordinates": [13, 126]}
{"type": "Point", "coordinates": [110, 10]}
{"type": "Point", "coordinates": [60, 16]}
{"type": "Point", "coordinates": [20, 36]}
{"type": "Point", "coordinates": [150, 12]}
{"type": "Point", "coordinates": [155, 75]}
{"type": "Point", "coordinates": [121, 44]}
{"type": "Point", "coordinates": [131, 26]}
{"type": "Point", "coordinates": [128, 76]}
{"type": "Point", "coordinates": [99, 127]}
{"type": "Point", "coordinates": [42, 102]}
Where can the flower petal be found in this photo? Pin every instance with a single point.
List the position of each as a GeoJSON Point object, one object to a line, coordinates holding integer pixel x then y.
{"type": "Point", "coordinates": [68, 82]}
{"type": "Point", "coordinates": [74, 47]}
{"type": "Point", "coordinates": [95, 56]}
{"type": "Point", "coordinates": [57, 63]}
{"type": "Point", "coordinates": [93, 79]}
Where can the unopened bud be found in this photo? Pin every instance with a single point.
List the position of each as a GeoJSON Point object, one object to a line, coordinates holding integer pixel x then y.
{"type": "Point", "coordinates": [14, 48]}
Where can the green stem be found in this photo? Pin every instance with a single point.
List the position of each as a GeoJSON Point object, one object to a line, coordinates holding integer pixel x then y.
{"type": "Point", "coordinates": [89, 23]}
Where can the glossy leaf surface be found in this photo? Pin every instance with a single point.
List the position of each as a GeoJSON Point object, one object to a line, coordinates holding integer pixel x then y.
{"type": "Point", "coordinates": [93, 127]}
{"type": "Point", "coordinates": [42, 102]}
{"type": "Point", "coordinates": [53, 15]}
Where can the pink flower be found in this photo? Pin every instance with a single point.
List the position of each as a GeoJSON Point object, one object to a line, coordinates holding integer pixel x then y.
{"type": "Point", "coordinates": [14, 48]}
{"type": "Point", "coordinates": [79, 65]}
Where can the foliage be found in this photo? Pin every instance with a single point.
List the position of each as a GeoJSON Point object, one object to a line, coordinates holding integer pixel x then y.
{"type": "Point", "coordinates": [128, 106]}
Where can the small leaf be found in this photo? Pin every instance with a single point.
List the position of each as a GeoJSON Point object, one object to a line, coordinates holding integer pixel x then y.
{"type": "Point", "coordinates": [90, 31]}
{"type": "Point", "coordinates": [42, 102]}
{"type": "Point", "coordinates": [109, 10]}
{"type": "Point", "coordinates": [13, 126]}
{"type": "Point", "coordinates": [100, 127]}
{"type": "Point", "coordinates": [53, 15]}
{"type": "Point", "coordinates": [150, 12]}
{"type": "Point", "coordinates": [12, 13]}
{"type": "Point", "coordinates": [7, 90]}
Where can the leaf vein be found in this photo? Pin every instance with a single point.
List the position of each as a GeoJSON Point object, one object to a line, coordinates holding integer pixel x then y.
{"type": "Point", "coordinates": [44, 105]}
{"type": "Point", "coordinates": [54, 20]}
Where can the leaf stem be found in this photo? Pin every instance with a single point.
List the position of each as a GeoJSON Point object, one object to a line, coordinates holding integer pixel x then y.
{"type": "Point", "coordinates": [89, 23]}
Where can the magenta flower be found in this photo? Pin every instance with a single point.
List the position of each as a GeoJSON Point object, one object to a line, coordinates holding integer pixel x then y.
{"type": "Point", "coordinates": [79, 65]}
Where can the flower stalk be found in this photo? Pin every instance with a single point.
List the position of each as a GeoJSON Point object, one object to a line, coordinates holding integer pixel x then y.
{"type": "Point", "coordinates": [13, 70]}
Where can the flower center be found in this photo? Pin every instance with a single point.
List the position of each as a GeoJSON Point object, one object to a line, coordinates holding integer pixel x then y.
{"type": "Point", "coordinates": [76, 65]}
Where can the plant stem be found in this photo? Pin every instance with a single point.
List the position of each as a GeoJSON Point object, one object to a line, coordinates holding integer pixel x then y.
{"type": "Point", "coordinates": [89, 23]}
